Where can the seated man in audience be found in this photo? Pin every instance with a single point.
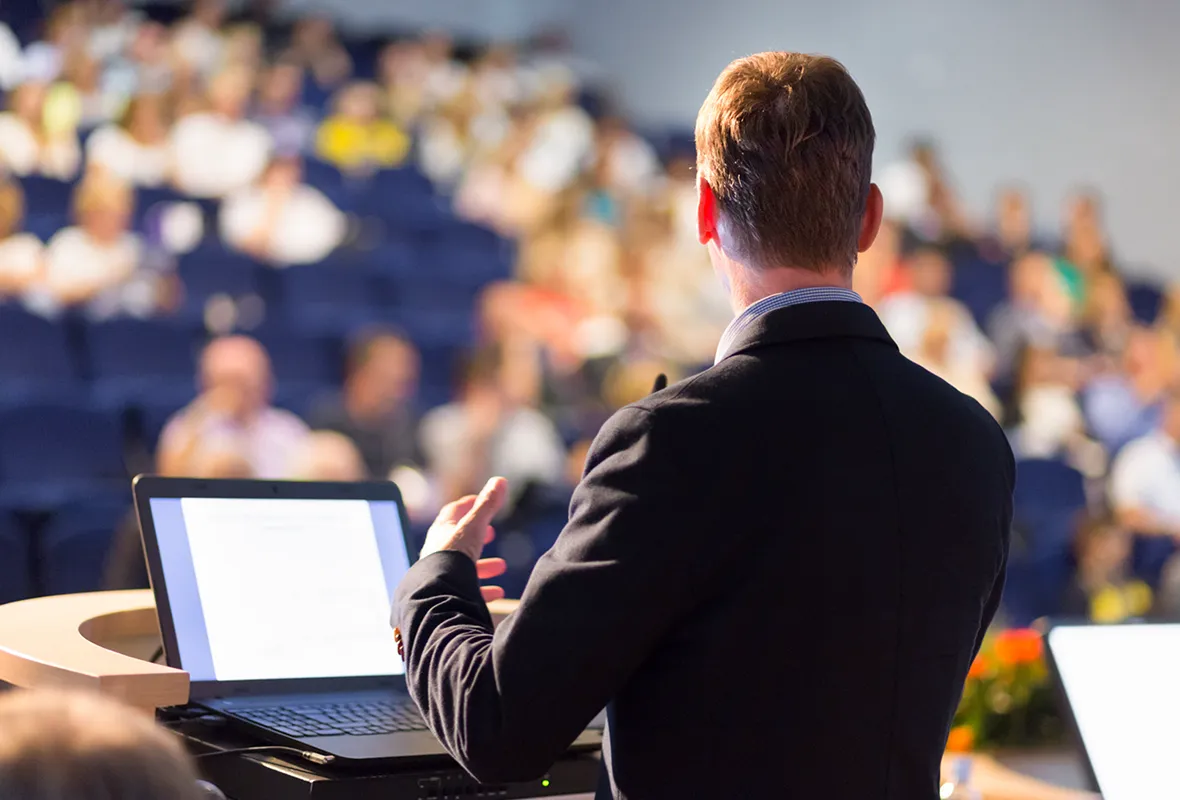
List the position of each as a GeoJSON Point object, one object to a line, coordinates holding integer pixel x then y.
{"type": "Point", "coordinates": [136, 148]}
{"type": "Point", "coordinates": [375, 409]}
{"type": "Point", "coordinates": [492, 429]}
{"type": "Point", "coordinates": [1126, 403]}
{"type": "Point", "coordinates": [233, 412]}
{"type": "Point", "coordinates": [282, 220]}
{"type": "Point", "coordinates": [357, 138]}
{"type": "Point", "coordinates": [21, 254]}
{"type": "Point", "coordinates": [65, 746]}
{"type": "Point", "coordinates": [290, 124]}
{"type": "Point", "coordinates": [100, 253]}
{"type": "Point", "coordinates": [217, 152]}
{"type": "Point", "coordinates": [906, 313]}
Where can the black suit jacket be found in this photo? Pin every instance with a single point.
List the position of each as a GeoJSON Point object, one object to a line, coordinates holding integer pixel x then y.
{"type": "Point", "coordinates": [776, 573]}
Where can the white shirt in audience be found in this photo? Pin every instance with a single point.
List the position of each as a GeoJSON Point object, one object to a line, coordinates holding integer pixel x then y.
{"type": "Point", "coordinates": [559, 149]}
{"type": "Point", "coordinates": [76, 264]}
{"type": "Point", "coordinates": [11, 60]}
{"type": "Point", "coordinates": [214, 156]}
{"type": "Point", "coordinates": [906, 316]}
{"type": "Point", "coordinates": [305, 231]}
{"type": "Point", "coordinates": [116, 150]}
{"type": "Point", "coordinates": [20, 260]}
{"type": "Point", "coordinates": [632, 164]}
{"type": "Point", "coordinates": [1146, 477]}
{"type": "Point", "coordinates": [22, 154]}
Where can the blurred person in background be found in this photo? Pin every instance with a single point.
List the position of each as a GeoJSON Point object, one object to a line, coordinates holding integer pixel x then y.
{"type": "Point", "coordinates": [880, 270]}
{"type": "Point", "coordinates": [280, 110]}
{"type": "Point", "coordinates": [356, 137]}
{"type": "Point", "coordinates": [81, 87]}
{"type": "Point", "coordinates": [75, 746]}
{"type": "Point", "coordinates": [918, 195]}
{"type": "Point", "coordinates": [65, 34]}
{"type": "Point", "coordinates": [936, 353]}
{"type": "Point", "coordinates": [1102, 589]}
{"type": "Point", "coordinates": [37, 138]}
{"type": "Point", "coordinates": [197, 44]}
{"type": "Point", "coordinates": [113, 27]}
{"type": "Point", "coordinates": [375, 408]}
{"type": "Point", "coordinates": [21, 254]}
{"type": "Point", "coordinates": [218, 151]}
{"type": "Point", "coordinates": [282, 220]}
{"type": "Point", "coordinates": [1037, 311]}
{"type": "Point", "coordinates": [560, 145]}
{"type": "Point", "coordinates": [315, 47]}
{"type": "Point", "coordinates": [144, 67]}
{"type": "Point", "coordinates": [1084, 239]}
{"type": "Point", "coordinates": [1126, 402]}
{"type": "Point", "coordinates": [1012, 234]}
{"type": "Point", "coordinates": [1107, 319]}
{"type": "Point", "coordinates": [136, 149]}
{"type": "Point", "coordinates": [100, 252]}
{"type": "Point", "coordinates": [11, 60]}
{"type": "Point", "coordinates": [628, 165]}
{"type": "Point", "coordinates": [493, 428]}
{"type": "Point", "coordinates": [233, 412]}
{"type": "Point", "coordinates": [1043, 418]}
{"type": "Point", "coordinates": [329, 456]}
{"type": "Point", "coordinates": [906, 313]}
{"type": "Point", "coordinates": [243, 47]}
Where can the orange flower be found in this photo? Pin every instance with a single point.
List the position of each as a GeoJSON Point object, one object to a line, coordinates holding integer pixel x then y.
{"type": "Point", "coordinates": [979, 667]}
{"type": "Point", "coordinates": [1018, 646]}
{"type": "Point", "coordinates": [961, 739]}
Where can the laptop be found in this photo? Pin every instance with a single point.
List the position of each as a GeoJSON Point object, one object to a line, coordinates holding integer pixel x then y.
{"type": "Point", "coordinates": [275, 597]}
{"type": "Point", "coordinates": [1120, 691]}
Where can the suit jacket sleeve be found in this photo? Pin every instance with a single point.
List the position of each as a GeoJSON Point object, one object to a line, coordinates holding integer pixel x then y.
{"type": "Point", "coordinates": [640, 548]}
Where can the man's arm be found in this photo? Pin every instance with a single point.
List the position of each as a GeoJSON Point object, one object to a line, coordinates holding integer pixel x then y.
{"type": "Point", "coordinates": [640, 549]}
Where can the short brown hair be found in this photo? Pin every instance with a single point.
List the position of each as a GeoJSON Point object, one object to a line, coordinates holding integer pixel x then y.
{"type": "Point", "coordinates": [785, 140]}
{"type": "Point", "coordinates": [65, 746]}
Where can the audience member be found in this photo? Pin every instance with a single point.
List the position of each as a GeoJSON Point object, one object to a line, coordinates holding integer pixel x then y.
{"type": "Point", "coordinates": [328, 456]}
{"type": "Point", "coordinates": [628, 165]}
{"type": "Point", "coordinates": [1107, 320]}
{"type": "Point", "coordinates": [135, 150]}
{"type": "Point", "coordinates": [100, 253]}
{"type": "Point", "coordinates": [217, 152]}
{"type": "Point", "coordinates": [37, 138]}
{"type": "Point", "coordinates": [279, 110]}
{"type": "Point", "coordinates": [356, 138]}
{"type": "Point", "coordinates": [1103, 590]}
{"type": "Point", "coordinates": [1145, 477]}
{"type": "Point", "coordinates": [233, 412]}
{"type": "Point", "coordinates": [490, 431]}
{"type": "Point", "coordinates": [144, 67]}
{"type": "Point", "coordinates": [314, 47]}
{"type": "Point", "coordinates": [1124, 404]}
{"type": "Point", "coordinates": [906, 313]}
{"type": "Point", "coordinates": [65, 34]}
{"type": "Point", "coordinates": [375, 409]}
{"type": "Point", "coordinates": [11, 59]}
{"type": "Point", "coordinates": [1084, 240]}
{"type": "Point", "coordinates": [73, 746]}
{"type": "Point", "coordinates": [1037, 312]}
{"type": "Point", "coordinates": [935, 353]}
{"type": "Point", "coordinates": [196, 40]}
{"type": "Point", "coordinates": [21, 254]}
{"type": "Point", "coordinates": [282, 220]}
{"type": "Point", "coordinates": [1012, 236]}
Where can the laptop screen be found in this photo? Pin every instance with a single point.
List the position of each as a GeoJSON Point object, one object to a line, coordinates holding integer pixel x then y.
{"type": "Point", "coordinates": [1120, 681]}
{"type": "Point", "coordinates": [275, 588]}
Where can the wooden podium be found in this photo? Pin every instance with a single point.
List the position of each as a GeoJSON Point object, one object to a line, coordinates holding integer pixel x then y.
{"type": "Point", "coordinates": [103, 641]}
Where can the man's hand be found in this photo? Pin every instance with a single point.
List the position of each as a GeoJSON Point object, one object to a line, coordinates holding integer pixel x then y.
{"type": "Point", "coordinates": [465, 526]}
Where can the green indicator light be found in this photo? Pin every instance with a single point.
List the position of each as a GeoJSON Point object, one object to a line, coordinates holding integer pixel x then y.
{"type": "Point", "coordinates": [545, 782]}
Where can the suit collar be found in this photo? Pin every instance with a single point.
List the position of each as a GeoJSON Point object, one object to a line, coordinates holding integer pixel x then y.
{"type": "Point", "coordinates": [821, 320]}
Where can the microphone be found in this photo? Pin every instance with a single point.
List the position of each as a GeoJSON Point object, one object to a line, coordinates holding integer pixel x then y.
{"type": "Point", "coordinates": [660, 384]}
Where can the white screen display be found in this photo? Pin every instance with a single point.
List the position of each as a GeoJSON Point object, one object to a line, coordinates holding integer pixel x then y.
{"type": "Point", "coordinates": [1123, 688]}
{"type": "Point", "coordinates": [293, 588]}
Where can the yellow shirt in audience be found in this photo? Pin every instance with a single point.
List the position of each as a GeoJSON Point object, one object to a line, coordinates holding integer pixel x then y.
{"type": "Point", "coordinates": [349, 143]}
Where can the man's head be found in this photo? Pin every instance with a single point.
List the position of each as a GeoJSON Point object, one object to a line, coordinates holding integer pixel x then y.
{"type": "Point", "coordinates": [103, 206]}
{"type": "Point", "coordinates": [61, 746]}
{"type": "Point", "coordinates": [382, 374]}
{"type": "Point", "coordinates": [329, 456]}
{"type": "Point", "coordinates": [784, 157]}
{"type": "Point", "coordinates": [235, 377]}
{"type": "Point", "coordinates": [280, 87]}
{"type": "Point", "coordinates": [930, 272]}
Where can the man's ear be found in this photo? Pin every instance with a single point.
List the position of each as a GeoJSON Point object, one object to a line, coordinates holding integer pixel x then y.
{"type": "Point", "coordinates": [871, 224]}
{"type": "Point", "coordinates": [706, 212]}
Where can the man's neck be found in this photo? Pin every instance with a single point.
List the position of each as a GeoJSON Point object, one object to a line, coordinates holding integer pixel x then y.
{"type": "Point", "coordinates": [749, 285]}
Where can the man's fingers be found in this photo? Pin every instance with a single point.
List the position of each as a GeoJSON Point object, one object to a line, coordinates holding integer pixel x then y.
{"type": "Point", "coordinates": [455, 511]}
{"type": "Point", "coordinates": [491, 534]}
{"type": "Point", "coordinates": [486, 506]}
{"type": "Point", "coordinates": [491, 593]}
{"type": "Point", "coordinates": [490, 567]}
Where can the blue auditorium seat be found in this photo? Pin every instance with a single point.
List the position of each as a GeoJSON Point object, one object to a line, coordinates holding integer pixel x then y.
{"type": "Point", "coordinates": [1146, 302]}
{"type": "Point", "coordinates": [980, 285]}
{"type": "Point", "coordinates": [132, 361]}
{"type": "Point", "coordinates": [36, 358]}
{"type": "Point", "coordinates": [467, 253]}
{"type": "Point", "coordinates": [14, 560]}
{"type": "Point", "coordinates": [75, 543]}
{"type": "Point", "coordinates": [1048, 501]}
{"type": "Point", "coordinates": [405, 200]}
{"type": "Point", "coordinates": [436, 384]}
{"type": "Point", "coordinates": [46, 195]}
{"type": "Point", "coordinates": [53, 453]}
{"type": "Point", "coordinates": [331, 298]}
{"type": "Point", "coordinates": [45, 224]}
{"type": "Point", "coordinates": [211, 270]}
{"type": "Point", "coordinates": [305, 366]}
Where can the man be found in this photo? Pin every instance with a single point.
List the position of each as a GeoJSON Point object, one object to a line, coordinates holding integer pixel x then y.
{"type": "Point", "coordinates": [375, 409]}
{"type": "Point", "coordinates": [776, 573]}
{"type": "Point", "coordinates": [233, 413]}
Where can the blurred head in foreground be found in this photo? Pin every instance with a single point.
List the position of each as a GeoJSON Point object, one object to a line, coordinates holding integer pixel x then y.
{"type": "Point", "coordinates": [329, 456]}
{"type": "Point", "coordinates": [61, 746]}
{"type": "Point", "coordinates": [784, 157]}
{"type": "Point", "coordinates": [235, 377]}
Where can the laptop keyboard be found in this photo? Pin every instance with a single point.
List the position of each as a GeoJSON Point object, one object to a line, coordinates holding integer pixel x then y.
{"type": "Point", "coordinates": [337, 719]}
